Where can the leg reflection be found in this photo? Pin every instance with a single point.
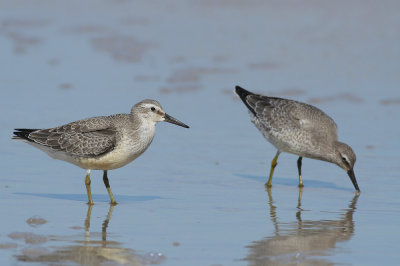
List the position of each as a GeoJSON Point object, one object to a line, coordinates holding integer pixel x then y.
{"type": "Point", "coordinates": [299, 209]}
{"type": "Point", "coordinates": [87, 221]}
{"type": "Point", "coordinates": [272, 209]}
{"type": "Point", "coordinates": [104, 225]}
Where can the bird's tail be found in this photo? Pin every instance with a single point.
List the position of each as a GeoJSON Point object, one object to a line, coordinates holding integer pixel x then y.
{"type": "Point", "coordinates": [242, 93]}
{"type": "Point", "coordinates": [23, 133]}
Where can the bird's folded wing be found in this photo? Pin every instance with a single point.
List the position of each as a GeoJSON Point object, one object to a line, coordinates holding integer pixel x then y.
{"type": "Point", "coordinates": [85, 138]}
{"type": "Point", "coordinates": [314, 121]}
{"type": "Point", "coordinates": [272, 112]}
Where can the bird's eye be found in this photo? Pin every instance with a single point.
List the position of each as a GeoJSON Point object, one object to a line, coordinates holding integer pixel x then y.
{"type": "Point", "coordinates": [345, 160]}
{"type": "Point", "coordinates": [153, 109]}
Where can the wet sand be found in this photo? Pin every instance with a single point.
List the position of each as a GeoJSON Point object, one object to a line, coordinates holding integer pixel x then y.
{"type": "Point", "coordinates": [197, 197]}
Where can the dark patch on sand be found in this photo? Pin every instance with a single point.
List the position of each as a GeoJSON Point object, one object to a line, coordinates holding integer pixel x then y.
{"type": "Point", "coordinates": [85, 29]}
{"type": "Point", "coordinates": [221, 58]}
{"type": "Point", "coordinates": [177, 59]}
{"type": "Point", "coordinates": [29, 238]}
{"type": "Point", "coordinates": [264, 66]}
{"type": "Point", "coordinates": [22, 41]}
{"type": "Point", "coordinates": [392, 101]}
{"type": "Point", "coordinates": [14, 23]}
{"type": "Point", "coordinates": [36, 221]}
{"type": "Point", "coordinates": [193, 75]}
{"type": "Point", "coordinates": [8, 245]}
{"type": "Point", "coordinates": [136, 21]}
{"type": "Point", "coordinates": [65, 86]}
{"type": "Point", "coordinates": [147, 78]}
{"type": "Point", "coordinates": [122, 48]}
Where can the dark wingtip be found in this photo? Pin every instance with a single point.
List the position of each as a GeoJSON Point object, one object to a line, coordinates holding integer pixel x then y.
{"type": "Point", "coordinates": [22, 133]}
{"type": "Point", "coordinates": [242, 93]}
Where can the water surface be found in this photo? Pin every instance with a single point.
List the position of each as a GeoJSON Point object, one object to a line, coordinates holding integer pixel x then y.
{"type": "Point", "coordinates": [197, 196]}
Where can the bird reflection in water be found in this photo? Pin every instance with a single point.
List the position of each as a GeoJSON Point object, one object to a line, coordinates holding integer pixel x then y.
{"type": "Point", "coordinates": [302, 242]}
{"type": "Point", "coordinates": [103, 241]}
{"type": "Point", "coordinates": [91, 250]}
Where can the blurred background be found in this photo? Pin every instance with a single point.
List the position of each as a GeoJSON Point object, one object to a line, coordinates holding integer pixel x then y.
{"type": "Point", "coordinates": [197, 196]}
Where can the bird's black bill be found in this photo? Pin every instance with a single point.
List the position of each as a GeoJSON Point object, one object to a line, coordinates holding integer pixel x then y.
{"type": "Point", "coordinates": [353, 179]}
{"type": "Point", "coordinates": [170, 119]}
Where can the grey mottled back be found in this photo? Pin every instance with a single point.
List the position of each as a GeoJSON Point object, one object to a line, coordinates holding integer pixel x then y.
{"type": "Point", "coordinates": [279, 115]}
{"type": "Point", "coordinates": [84, 138]}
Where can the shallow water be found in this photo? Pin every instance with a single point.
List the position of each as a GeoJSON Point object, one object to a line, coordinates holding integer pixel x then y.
{"type": "Point", "coordinates": [197, 196]}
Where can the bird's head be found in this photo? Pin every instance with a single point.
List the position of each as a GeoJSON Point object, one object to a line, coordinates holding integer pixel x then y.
{"type": "Point", "coordinates": [151, 110]}
{"type": "Point", "coordinates": [345, 158]}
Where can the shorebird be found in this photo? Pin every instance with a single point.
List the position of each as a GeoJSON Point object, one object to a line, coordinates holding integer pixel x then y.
{"type": "Point", "coordinates": [101, 143]}
{"type": "Point", "coordinates": [300, 129]}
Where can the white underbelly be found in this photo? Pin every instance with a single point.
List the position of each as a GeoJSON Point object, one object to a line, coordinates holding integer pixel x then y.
{"type": "Point", "coordinates": [123, 154]}
{"type": "Point", "coordinates": [109, 161]}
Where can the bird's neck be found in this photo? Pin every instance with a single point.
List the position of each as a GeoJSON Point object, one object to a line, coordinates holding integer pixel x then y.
{"type": "Point", "coordinates": [140, 136]}
{"type": "Point", "coordinates": [148, 127]}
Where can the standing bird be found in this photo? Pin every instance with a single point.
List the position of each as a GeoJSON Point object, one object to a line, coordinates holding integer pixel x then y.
{"type": "Point", "coordinates": [101, 143]}
{"type": "Point", "coordinates": [300, 129]}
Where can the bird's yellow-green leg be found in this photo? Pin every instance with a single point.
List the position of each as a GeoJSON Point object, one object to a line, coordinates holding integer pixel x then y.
{"type": "Point", "coordinates": [274, 163]}
{"type": "Point", "coordinates": [87, 183]}
{"type": "Point", "coordinates": [107, 184]}
{"type": "Point", "coordinates": [299, 167]}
